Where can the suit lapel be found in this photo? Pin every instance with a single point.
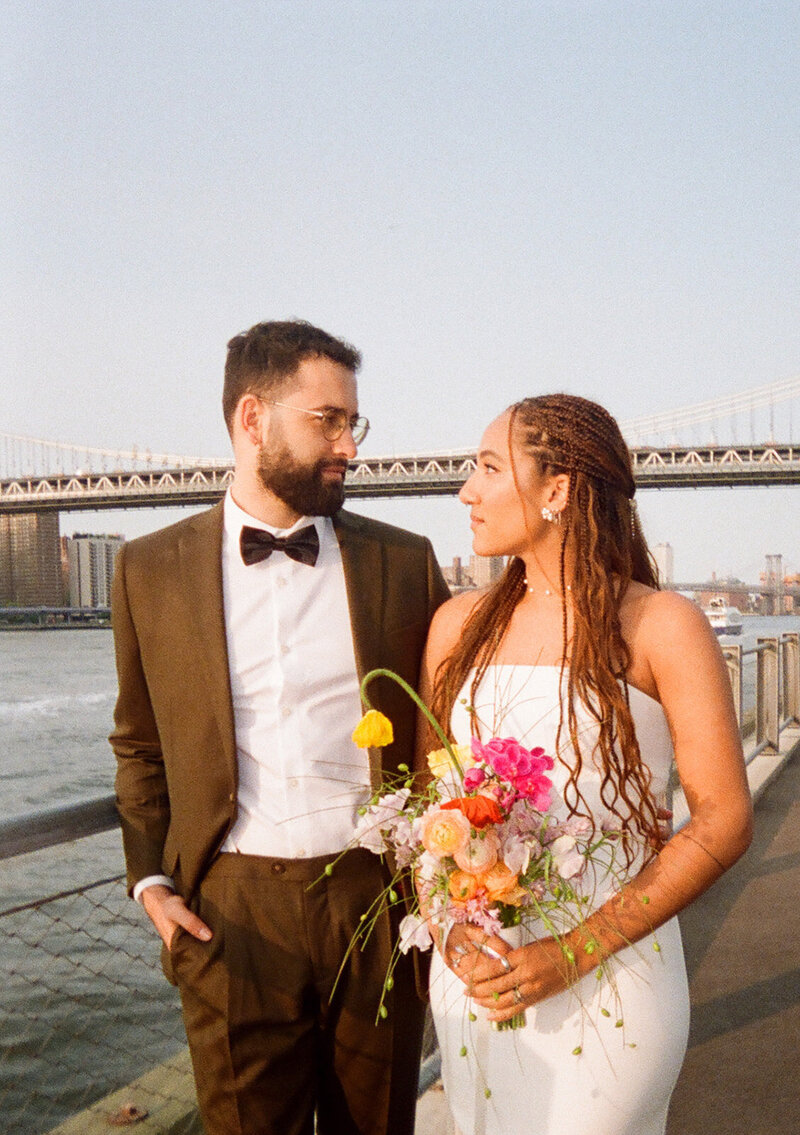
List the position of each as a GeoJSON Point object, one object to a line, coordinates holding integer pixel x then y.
{"type": "Point", "coordinates": [364, 573]}
{"type": "Point", "coordinates": [200, 555]}
{"type": "Point", "coordinates": [362, 558]}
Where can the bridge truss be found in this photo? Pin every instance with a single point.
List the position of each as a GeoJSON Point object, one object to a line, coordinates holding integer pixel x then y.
{"type": "Point", "coordinates": [416, 475]}
{"type": "Point", "coordinates": [66, 477]}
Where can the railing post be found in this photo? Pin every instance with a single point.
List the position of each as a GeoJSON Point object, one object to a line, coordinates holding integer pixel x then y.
{"type": "Point", "coordinates": [791, 677]}
{"type": "Point", "coordinates": [733, 659]}
{"type": "Point", "coordinates": [767, 695]}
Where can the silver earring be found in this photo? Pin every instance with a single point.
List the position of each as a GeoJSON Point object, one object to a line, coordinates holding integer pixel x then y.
{"type": "Point", "coordinates": [549, 515]}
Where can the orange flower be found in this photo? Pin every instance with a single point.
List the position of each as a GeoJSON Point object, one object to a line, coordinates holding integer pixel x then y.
{"type": "Point", "coordinates": [463, 886]}
{"type": "Point", "coordinates": [479, 810]}
{"type": "Point", "coordinates": [444, 833]}
{"type": "Point", "coordinates": [501, 885]}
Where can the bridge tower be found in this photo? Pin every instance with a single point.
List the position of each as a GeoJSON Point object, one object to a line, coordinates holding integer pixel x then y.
{"type": "Point", "coordinates": [773, 584]}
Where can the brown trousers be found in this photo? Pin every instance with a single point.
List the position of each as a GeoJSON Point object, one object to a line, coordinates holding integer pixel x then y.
{"type": "Point", "coordinates": [281, 1018]}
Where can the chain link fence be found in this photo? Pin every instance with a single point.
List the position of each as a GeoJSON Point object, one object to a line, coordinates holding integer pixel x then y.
{"type": "Point", "coordinates": [84, 1006]}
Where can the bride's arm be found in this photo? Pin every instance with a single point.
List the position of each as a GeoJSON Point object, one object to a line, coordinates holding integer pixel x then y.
{"type": "Point", "coordinates": [688, 673]}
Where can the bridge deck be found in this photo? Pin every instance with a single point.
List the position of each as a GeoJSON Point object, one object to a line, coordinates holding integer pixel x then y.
{"type": "Point", "coordinates": [742, 943]}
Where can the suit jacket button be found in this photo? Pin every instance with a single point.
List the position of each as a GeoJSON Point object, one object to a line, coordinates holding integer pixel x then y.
{"type": "Point", "coordinates": [278, 868]}
{"type": "Point", "coordinates": [230, 798]}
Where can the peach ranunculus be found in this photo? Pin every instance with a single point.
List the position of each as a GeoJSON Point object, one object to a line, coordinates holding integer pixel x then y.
{"type": "Point", "coordinates": [463, 886]}
{"type": "Point", "coordinates": [480, 854]}
{"type": "Point", "coordinates": [440, 764]}
{"type": "Point", "coordinates": [501, 884]}
{"type": "Point", "coordinates": [444, 833]}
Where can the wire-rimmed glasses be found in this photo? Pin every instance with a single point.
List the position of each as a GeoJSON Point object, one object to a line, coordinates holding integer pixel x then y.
{"type": "Point", "coordinates": [333, 421]}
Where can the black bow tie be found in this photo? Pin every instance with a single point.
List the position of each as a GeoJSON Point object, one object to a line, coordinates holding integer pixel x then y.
{"type": "Point", "coordinates": [257, 545]}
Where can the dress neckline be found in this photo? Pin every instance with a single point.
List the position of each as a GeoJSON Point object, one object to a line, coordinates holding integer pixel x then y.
{"type": "Point", "coordinates": [557, 669]}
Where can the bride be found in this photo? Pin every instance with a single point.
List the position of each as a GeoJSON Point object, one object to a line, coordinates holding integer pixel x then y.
{"type": "Point", "coordinates": [576, 650]}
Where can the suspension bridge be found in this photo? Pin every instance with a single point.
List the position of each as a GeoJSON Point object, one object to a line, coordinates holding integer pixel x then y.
{"type": "Point", "coordinates": [677, 449]}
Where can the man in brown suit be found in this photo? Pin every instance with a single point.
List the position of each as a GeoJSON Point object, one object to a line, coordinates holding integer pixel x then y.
{"type": "Point", "coordinates": [241, 635]}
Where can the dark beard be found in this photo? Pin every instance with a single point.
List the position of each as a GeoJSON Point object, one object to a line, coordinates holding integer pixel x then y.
{"type": "Point", "coordinates": [301, 486]}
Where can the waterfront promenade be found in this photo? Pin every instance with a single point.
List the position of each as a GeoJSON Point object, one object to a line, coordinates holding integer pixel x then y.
{"type": "Point", "coordinates": [742, 942]}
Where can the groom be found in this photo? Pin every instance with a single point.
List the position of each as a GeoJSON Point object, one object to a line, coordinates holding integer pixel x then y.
{"type": "Point", "coordinates": [241, 635]}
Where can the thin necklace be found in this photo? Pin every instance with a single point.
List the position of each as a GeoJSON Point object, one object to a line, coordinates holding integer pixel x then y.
{"type": "Point", "coordinates": [545, 590]}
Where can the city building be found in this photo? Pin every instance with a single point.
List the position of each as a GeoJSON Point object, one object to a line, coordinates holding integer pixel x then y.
{"type": "Point", "coordinates": [484, 570]}
{"type": "Point", "coordinates": [90, 567]}
{"type": "Point", "coordinates": [30, 560]}
{"type": "Point", "coordinates": [665, 562]}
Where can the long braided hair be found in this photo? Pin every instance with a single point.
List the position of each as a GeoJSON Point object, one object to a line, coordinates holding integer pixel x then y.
{"type": "Point", "coordinates": [604, 544]}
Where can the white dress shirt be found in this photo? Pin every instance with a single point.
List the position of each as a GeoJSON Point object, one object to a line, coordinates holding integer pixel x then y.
{"type": "Point", "coordinates": [295, 698]}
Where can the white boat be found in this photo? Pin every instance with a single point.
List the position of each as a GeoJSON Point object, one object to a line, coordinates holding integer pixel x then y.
{"type": "Point", "coordinates": [723, 619]}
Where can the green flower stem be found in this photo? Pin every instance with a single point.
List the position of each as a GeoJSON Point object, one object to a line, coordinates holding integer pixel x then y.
{"type": "Point", "coordinates": [412, 693]}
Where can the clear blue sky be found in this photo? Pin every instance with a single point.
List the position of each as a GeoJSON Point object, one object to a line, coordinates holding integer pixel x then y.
{"type": "Point", "coordinates": [490, 199]}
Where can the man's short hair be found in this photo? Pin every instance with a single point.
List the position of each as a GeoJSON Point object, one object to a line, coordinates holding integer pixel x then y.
{"type": "Point", "coordinates": [259, 360]}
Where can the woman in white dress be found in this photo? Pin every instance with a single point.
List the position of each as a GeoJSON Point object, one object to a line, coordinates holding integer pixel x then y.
{"type": "Point", "coordinates": [576, 650]}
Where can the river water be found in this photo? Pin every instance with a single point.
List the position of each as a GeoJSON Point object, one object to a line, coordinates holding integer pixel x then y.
{"type": "Point", "coordinates": [57, 692]}
{"type": "Point", "coordinates": [78, 1015]}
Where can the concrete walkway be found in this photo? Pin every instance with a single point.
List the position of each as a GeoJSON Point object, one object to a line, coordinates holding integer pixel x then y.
{"type": "Point", "coordinates": [742, 943]}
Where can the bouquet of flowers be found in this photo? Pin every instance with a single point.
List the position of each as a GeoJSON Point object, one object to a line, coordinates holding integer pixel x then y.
{"type": "Point", "coordinates": [479, 843]}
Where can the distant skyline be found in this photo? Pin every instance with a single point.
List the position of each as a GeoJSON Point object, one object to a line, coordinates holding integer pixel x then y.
{"type": "Point", "coordinates": [489, 199]}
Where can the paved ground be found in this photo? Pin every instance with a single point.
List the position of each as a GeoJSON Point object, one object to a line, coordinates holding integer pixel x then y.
{"type": "Point", "coordinates": [742, 943]}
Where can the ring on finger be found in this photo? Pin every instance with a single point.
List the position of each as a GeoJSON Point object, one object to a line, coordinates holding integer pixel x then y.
{"type": "Point", "coordinates": [462, 951]}
{"type": "Point", "coordinates": [518, 998]}
{"type": "Point", "coordinates": [506, 964]}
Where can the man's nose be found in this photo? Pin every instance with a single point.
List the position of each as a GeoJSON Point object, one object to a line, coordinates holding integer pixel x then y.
{"type": "Point", "coordinates": [345, 444]}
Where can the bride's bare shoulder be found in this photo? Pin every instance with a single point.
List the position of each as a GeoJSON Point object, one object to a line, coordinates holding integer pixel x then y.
{"type": "Point", "coordinates": [662, 617]}
{"type": "Point", "coordinates": [445, 629]}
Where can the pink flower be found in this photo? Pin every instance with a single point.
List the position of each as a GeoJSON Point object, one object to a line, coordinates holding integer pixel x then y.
{"type": "Point", "coordinates": [519, 767]}
{"type": "Point", "coordinates": [473, 778]}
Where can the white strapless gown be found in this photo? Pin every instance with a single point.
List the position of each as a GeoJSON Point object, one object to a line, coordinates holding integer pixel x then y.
{"type": "Point", "coordinates": [621, 1082]}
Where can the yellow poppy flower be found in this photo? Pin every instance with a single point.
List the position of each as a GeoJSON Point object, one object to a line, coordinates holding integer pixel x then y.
{"type": "Point", "coordinates": [373, 731]}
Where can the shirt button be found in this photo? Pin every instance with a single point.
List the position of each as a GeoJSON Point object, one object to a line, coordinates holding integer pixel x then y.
{"type": "Point", "coordinates": [284, 649]}
{"type": "Point", "coordinates": [301, 853]}
{"type": "Point", "coordinates": [287, 711]}
{"type": "Point", "coordinates": [280, 581]}
{"type": "Point", "coordinates": [293, 782]}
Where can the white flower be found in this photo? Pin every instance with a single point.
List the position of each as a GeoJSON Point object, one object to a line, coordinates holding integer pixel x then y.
{"type": "Point", "coordinates": [516, 854]}
{"type": "Point", "coordinates": [414, 932]}
{"type": "Point", "coordinates": [568, 861]}
{"type": "Point", "coordinates": [428, 867]}
{"type": "Point", "coordinates": [377, 825]}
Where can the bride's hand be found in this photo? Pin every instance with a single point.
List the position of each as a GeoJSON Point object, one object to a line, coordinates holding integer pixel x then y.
{"type": "Point", "coordinates": [535, 972]}
{"type": "Point", "coordinates": [461, 952]}
{"type": "Point", "coordinates": [474, 955]}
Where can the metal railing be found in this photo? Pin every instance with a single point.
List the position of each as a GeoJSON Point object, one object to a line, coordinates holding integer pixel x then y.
{"type": "Point", "coordinates": [85, 1004]}
{"type": "Point", "coordinates": [774, 680]}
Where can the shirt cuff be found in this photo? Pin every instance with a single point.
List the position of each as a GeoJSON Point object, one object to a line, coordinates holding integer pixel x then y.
{"type": "Point", "coordinates": [152, 881]}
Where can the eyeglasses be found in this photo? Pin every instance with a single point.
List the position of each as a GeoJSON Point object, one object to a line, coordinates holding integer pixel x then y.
{"type": "Point", "coordinates": [333, 422]}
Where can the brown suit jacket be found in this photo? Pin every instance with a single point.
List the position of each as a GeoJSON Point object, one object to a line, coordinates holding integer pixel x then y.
{"type": "Point", "coordinates": [174, 733]}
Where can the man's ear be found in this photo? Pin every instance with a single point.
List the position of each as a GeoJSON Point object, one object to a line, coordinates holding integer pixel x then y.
{"type": "Point", "coordinates": [250, 418]}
